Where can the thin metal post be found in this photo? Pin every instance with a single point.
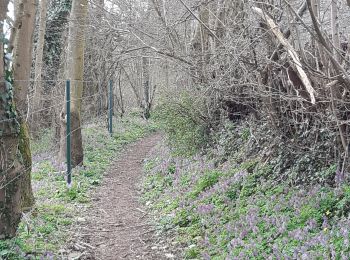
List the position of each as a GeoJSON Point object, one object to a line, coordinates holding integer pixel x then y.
{"type": "Point", "coordinates": [110, 122]}
{"type": "Point", "coordinates": [68, 151]}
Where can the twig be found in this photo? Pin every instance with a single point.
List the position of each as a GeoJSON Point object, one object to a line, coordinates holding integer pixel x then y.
{"type": "Point", "coordinates": [87, 245]}
{"type": "Point", "coordinates": [141, 211]}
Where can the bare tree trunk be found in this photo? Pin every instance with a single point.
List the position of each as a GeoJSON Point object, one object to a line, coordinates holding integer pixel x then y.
{"type": "Point", "coordinates": [335, 29]}
{"type": "Point", "coordinates": [75, 72]}
{"type": "Point", "coordinates": [23, 53]}
{"type": "Point", "coordinates": [118, 94]}
{"type": "Point", "coordinates": [167, 80]}
{"type": "Point", "coordinates": [319, 52]}
{"type": "Point", "coordinates": [173, 38]}
{"type": "Point", "coordinates": [39, 64]}
{"type": "Point", "coordinates": [146, 87]}
{"type": "Point", "coordinates": [17, 11]}
{"type": "Point", "coordinates": [292, 53]}
{"type": "Point", "coordinates": [335, 91]}
{"type": "Point", "coordinates": [21, 72]}
{"type": "Point", "coordinates": [200, 44]}
{"type": "Point", "coordinates": [133, 87]}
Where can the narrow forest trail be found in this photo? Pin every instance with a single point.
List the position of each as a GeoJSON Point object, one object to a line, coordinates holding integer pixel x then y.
{"type": "Point", "coordinates": [117, 226]}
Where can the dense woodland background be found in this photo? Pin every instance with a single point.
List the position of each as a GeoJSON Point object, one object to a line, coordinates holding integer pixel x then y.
{"type": "Point", "coordinates": [225, 79]}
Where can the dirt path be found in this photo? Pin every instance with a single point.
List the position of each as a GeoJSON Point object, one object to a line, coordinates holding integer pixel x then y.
{"type": "Point", "coordinates": [117, 226]}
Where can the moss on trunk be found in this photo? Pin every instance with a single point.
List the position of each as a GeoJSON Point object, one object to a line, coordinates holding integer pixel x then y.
{"type": "Point", "coordinates": [10, 193]}
{"type": "Point", "coordinates": [27, 197]}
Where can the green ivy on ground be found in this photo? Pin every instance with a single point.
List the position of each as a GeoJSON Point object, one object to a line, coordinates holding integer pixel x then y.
{"type": "Point", "coordinates": [234, 211]}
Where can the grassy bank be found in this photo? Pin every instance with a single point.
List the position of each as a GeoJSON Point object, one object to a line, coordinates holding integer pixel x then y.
{"type": "Point", "coordinates": [45, 231]}
{"type": "Point", "coordinates": [235, 210]}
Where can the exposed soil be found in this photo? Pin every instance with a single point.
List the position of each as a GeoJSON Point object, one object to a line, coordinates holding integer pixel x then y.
{"type": "Point", "coordinates": [117, 226]}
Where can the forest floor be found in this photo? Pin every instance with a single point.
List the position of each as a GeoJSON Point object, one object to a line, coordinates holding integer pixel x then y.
{"type": "Point", "coordinates": [101, 216]}
{"type": "Point", "coordinates": [117, 226]}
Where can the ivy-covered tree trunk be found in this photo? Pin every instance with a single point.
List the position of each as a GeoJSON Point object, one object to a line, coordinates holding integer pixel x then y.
{"type": "Point", "coordinates": [11, 166]}
{"type": "Point", "coordinates": [75, 72]}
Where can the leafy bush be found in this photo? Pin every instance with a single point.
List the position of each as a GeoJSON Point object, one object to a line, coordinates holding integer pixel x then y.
{"type": "Point", "coordinates": [180, 117]}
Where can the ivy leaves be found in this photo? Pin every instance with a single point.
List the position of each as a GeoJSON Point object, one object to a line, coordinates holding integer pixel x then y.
{"type": "Point", "coordinates": [9, 115]}
{"type": "Point", "coordinates": [3, 39]}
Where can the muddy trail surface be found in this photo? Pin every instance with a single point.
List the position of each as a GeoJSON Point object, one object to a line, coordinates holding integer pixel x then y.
{"type": "Point", "coordinates": [117, 226]}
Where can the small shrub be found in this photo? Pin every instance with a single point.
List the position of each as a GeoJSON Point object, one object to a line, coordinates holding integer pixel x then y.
{"type": "Point", "coordinates": [205, 181]}
{"type": "Point", "coordinates": [180, 117]}
{"type": "Point", "coordinates": [192, 253]}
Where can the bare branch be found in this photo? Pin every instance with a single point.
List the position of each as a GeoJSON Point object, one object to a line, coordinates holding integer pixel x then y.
{"type": "Point", "coordinates": [292, 53]}
{"type": "Point", "coordinates": [201, 22]}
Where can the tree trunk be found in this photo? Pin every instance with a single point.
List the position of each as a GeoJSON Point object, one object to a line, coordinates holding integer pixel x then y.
{"type": "Point", "coordinates": [120, 100]}
{"type": "Point", "coordinates": [12, 160]}
{"type": "Point", "coordinates": [23, 53]}
{"type": "Point", "coordinates": [39, 64]}
{"type": "Point", "coordinates": [22, 63]}
{"type": "Point", "coordinates": [335, 29]}
{"type": "Point", "coordinates": [200, 45]}
{"type": "Point", "coordinates": [135, 90]}
{"type": "Point", "coordinates": [75, 72]}
{"type": "Point", "coordinates": [146, 87]}
{"type": "Point", "coordinates": [335, 90]}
